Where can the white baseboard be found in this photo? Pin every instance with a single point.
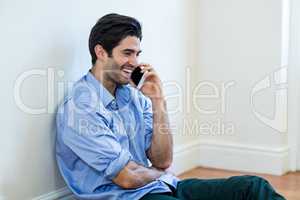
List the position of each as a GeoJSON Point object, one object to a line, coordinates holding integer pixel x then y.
{"type": "Point", "coordinates": [228, 156]}
{"type": "Point", "coordinates": [60, 194]}
{"type": "Point", "coordinates": [215, 155]}
{"type": "Point", "coordinates": [185, 158]}
{"type": "Point", "coordinates": [244, 158]}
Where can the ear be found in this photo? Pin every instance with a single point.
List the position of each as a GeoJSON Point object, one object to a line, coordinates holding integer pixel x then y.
{"type": "Point", "coordinates": [100, 52]}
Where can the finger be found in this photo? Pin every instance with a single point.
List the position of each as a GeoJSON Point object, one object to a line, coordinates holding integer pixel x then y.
{"type": "Point", "coordinates": [147, 75]}
{"type": "Point", "coordinates": [148, 68]}
{"type": "Point", "coordinates": [143, 64]}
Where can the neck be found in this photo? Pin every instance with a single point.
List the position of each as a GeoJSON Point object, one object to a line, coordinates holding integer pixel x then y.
{"type": "Point", "coordinates": [109, 84]}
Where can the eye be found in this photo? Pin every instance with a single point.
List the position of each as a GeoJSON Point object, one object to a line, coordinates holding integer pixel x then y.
{"type": "Point", "coordinates": [127, 53]}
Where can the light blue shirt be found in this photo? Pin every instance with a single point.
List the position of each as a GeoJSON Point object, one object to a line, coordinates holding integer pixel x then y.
{"type": "Point", "coordinates": [97, 135]}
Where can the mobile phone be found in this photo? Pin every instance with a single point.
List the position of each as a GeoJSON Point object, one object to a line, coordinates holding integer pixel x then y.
{"type": "Point", "coordinates": [138, 77]}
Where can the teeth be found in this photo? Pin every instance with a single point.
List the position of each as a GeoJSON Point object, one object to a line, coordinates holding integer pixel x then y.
{"type": "Point", "coordinates": [127, 70]}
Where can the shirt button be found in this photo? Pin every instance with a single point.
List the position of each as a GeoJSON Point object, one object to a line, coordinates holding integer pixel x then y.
{"type": "Point", "coordinates": [114, 105]}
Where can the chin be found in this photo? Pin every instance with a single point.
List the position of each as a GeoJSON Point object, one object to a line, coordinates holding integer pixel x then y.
{"type": "Point", "coordinates": [123, 82]}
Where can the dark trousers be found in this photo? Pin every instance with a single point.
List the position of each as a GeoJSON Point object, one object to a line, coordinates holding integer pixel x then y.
{"type": "Point", "coordinates": [233, 188]}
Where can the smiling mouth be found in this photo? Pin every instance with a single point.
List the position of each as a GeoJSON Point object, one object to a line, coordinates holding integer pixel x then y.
{"type": "Point", "coordinates": [127, 72]}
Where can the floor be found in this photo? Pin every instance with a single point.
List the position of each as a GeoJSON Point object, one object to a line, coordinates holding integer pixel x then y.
{"type": "Point", "coordinates": [287, 185]}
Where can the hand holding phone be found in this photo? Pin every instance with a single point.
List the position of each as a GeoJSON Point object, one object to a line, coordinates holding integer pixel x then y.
{"type": "Point", "coordinates": [138, 77]}
{"type": "Point", "coordinates": [147, 81]}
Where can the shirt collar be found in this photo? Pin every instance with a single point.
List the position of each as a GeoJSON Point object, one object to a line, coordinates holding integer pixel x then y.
{"type": "Point", "coordinates": [122, 92]}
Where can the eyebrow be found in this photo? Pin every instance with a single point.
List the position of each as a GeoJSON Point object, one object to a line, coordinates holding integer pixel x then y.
{"type": "Point", "coordinates": [131, 51]}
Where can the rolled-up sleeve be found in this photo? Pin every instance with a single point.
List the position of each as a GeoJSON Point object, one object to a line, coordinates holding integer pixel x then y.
{"type": "Point", "coordinates": [92, 141]}
{"type": "Point", "coordinates": [116, 165]}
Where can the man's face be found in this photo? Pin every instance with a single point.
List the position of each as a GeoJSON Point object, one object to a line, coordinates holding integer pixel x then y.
{"type": "Point", "coordinates": [124, 59]}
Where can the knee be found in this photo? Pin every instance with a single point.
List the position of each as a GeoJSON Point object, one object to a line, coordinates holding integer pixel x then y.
{"type": "Point", "coordinates": [252, 183]}
{"type": "Point", "coordinates": [257, 184]}
{"type": "Point", "coordinates": [246, 181]}
{"type": "Point", "coordinates": [256, 179]}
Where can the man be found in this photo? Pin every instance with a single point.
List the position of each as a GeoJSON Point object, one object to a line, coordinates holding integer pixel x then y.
{"type": "Point", "coordinates": [108, 131]}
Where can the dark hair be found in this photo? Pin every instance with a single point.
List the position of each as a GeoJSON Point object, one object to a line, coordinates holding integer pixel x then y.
{"type": "Point", "coordinates": [110, 30]}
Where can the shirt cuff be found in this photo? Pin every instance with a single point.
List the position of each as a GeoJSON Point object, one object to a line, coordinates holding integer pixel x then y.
{"type": "Point", "coordinates": [115, 166]}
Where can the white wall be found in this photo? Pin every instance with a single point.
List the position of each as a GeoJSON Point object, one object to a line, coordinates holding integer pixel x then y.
{"type": "Point", "coordinates": [294, 86]}
{"type": "Point", "coordinates": [240, 44]}
{"type": "Point", "coordinates": [52, 35]}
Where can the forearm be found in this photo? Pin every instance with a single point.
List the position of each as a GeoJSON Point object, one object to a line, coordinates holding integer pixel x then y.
{"type": "Point", "coordinates": [146, 175]}
{"type": "Point", "coordinates": [161, 149]}
{"type": "Point", "coordinates": [135, 176]}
